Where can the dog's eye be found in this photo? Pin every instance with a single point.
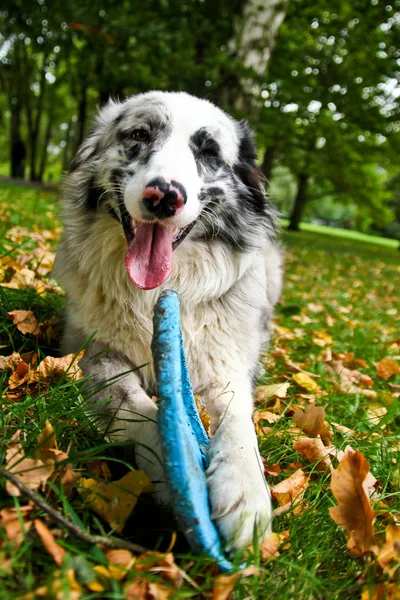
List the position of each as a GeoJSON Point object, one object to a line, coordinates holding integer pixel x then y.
{"type": "Point", "coordinates": [141, 135]}
{"type": "Point", "coordinates": [210, 151]}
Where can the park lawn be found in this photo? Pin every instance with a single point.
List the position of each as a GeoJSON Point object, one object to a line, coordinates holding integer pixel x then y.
{"type": "Point", "coordinates": [341, 296]}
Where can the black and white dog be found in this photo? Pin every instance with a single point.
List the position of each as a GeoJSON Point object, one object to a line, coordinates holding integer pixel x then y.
{"type": "Point", "coordinates": [165, 193]}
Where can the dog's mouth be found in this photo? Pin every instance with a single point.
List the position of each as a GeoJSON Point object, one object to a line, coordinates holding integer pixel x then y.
{"type": "Point", "coordinates": [149, 258]}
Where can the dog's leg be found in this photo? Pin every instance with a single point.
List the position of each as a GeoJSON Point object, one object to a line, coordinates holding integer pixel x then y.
{"type": "Point", "coordinates": [239, 495]}
{"type": "Point", "coordinates": [123, 411]}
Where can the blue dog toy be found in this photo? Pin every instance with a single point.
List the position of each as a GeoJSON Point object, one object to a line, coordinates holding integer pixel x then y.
{"type": "Point", "coordinates": [184, 440]}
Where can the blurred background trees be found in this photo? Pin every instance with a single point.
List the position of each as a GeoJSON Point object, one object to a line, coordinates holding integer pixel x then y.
{"type": "Point", "coordinates": [317, 79]}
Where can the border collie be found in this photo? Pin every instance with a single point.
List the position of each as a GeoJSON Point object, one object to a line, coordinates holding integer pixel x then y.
{"type": "Point", "coordinates": [165, 193]}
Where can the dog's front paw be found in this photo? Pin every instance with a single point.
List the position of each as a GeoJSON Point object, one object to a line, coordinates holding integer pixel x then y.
{"type": "Point", "coordinates": [239, 495]}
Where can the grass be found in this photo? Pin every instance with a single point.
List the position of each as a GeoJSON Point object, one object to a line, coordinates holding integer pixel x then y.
{"type": "Point", "coordinates": [346, 234]}
{"type": "Point", "coordinates": [342, 287]}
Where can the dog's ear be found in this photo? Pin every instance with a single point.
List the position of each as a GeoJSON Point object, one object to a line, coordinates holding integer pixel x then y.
{"type": "Point", "coordinates": [99, 132]}
{"type": "Point", "coordinates": [246, 166]}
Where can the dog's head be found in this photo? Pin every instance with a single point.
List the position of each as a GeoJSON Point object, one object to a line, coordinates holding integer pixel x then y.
{"type": "Point", "coordinates": [169, 166]}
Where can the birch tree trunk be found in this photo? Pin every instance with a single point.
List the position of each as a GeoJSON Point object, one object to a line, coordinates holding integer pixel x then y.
{"type": "Point", "coordinates": [256, 30]}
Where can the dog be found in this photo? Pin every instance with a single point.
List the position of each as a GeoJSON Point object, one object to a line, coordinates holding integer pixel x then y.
{"type": "Point", "coordinates": [165, 193]}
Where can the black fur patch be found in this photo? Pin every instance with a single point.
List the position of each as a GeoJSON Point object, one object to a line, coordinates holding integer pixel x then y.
{"type": "Point", "coordinates": [94, 196]}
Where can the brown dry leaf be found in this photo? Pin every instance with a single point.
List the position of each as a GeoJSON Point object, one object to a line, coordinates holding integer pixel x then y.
{"type": "Point", "coordinates": [162, 563]}
{"type": "Point", "coordinates": [16, 523]}
{"type": "Point", "coordinates": [290, 491]}
{"type": "Point", "coordinates": [314, 451]}
{"type": "Point", "coordinates": [275, 390]}
{"type": "Point", "coordinates": [121, 561]}
{"type": "Point", "coordinates": [292, 366]}
{"type": "Point", "coordinates": [349, 360]}
{"type": "Point", "coordinates": [31, 472]}
{"type": "Point", "coordinates": [143, 589]}
{"type": "Point", "coordinates": [353, 511]}
{"type": "Point", "coordinates": [265, 415]}
{"type": "Point", "coordinates": [273, 470]}
{"type": "Point", "coordinates": [381, 591]}
{"type": "Point", "coordinates": [347, 379]}
{"type": "Point", "coordinates": [269, 548]}
{"type": "Point", "coordinates": [387, 367]}
{"type": "Point", "coordinates": [312, 421]}
{"type": "Point", "coordinates": [388, 556]}
{"type": "Point", "coordinates": [225, 584]}
{"type": "Point", "coordinates": [51, 368]}
{"type": "Point", "coordinates": [25, 320]}
{"type": "Point", "coordinates": [115, 501]}
{"type": "Point", "coordinates": [49, 542]}
{"type": "Point", "coordinates": [305, 381]}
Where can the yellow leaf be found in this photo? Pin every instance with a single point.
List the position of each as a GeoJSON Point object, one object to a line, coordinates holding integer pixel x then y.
{"type": "Point", "coordinates": [306, 382]}
{"type": "Point", "coordinates": [269, 548]}
{"type": "Point", "coordinates": [275, 390]}
{"type": "Point", "coordinates": [115, 501]}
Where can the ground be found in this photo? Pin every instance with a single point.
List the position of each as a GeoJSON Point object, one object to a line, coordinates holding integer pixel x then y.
{"type": "Point", "coordinates": [337, 320]}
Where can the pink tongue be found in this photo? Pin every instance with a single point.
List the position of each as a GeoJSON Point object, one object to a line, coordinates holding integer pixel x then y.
{"type": "Point", "coordinates": [149, 257]}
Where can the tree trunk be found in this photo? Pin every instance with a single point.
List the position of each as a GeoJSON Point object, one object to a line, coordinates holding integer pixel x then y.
{"type": "Point", "coordinates": [46, 141]}
{"type": "Point", "coordinates": [256, 30]}
{"type": "Point", "coordinates": [299, 203]}
{"type": "Point", "coordinates": [18, 148]}
{"type": "Point", "coordinates": [268, 162]}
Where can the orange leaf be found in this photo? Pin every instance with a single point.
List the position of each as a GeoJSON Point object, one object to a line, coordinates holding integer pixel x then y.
{"type": "Point", "coordinates": [224, 584]}
{"type": "Point", "coordinates": [388, 555]}
{"type": "Point", "coordinates": [381, 591]}
{"type": "Point", "coordinates": [51, 368]}
{"type": "Point", "coordinates": [353, 511]}
{"type": "Point", "coordinates": [269, 548]}
{"type": "Point", "coordinates": [314, 451]}
{"type": "Point", "coordinates": [387, 367]}
{"type": "Point", "coordinates": [290, 491]}
{"type": "Point", "coordinates": [312, 421]}
{"type": "Point", "coordinates": [49, 542]}
{"type": "Point", "coordinates": [25, 320]}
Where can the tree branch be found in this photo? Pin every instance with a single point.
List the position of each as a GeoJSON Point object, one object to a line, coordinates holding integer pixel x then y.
{"type": "Point", "coordinates": [109, 542]}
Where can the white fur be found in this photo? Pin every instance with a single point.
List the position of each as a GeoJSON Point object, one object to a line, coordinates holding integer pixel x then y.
{"type": "Point", "coordinates": [225, 296]}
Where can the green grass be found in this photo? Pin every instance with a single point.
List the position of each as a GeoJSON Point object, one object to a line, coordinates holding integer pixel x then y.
{"type": "Point", "coordinates": [346, 234]}
{"type": "Point", "coordinates": [356, 284]}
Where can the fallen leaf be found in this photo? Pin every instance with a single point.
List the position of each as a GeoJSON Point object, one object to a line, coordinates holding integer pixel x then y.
{"type": "Point", "coordinates": [52, 368]}
{"type": "Point", "coordinates": [273, 470]}
{"type": "Point", "coordinates": [306, 382]}
{"type": "Point", "coordinates": [353, 511]}
{"type": "Point", "coordinates": [25, 320]}
{"type": "Point", "coordinates": [388, 556]}
{"type": "Point", "coordinates": [16, 523]}
{"type": "Point", "coordinates": [346, 379]}
{"type": "Point", "coordinates": [375, 413]}
{"type": "Point", "coordinates": [56, 551]}
{"type": "Point", "coordinates": [275, 390]}
{"type": "Point", "coordinates": [314, 451]}
{"type": "Point", "coordinates": [322, 339]}
{"type": "Point", "coordinates": [381, 591]}
{"type": "Point", "coordinates": [312, 421]}
{"type": "Point", "coordinates": [289, 492]}
{"type": "Point", "coordinates": [225, 584]}
{"type": "Point", "coordinates": [269, 548]}
{"type": "Point", "coordinates": [31, 472]}
{"type": "Point", "coordinates": [115, 501]}
{"type": "Point", "coordinates": [387, 367]}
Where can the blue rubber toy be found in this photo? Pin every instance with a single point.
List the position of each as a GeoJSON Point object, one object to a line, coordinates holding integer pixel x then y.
{"type": "Point", "coordinates": [184, 440]}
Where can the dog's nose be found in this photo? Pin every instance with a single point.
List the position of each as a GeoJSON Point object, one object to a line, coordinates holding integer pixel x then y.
{"type": "Point", "coordinates": [164, 198]}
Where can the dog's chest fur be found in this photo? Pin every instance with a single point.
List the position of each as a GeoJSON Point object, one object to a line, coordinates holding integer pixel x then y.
{"type": "Point", "coordinates": [223, 301]}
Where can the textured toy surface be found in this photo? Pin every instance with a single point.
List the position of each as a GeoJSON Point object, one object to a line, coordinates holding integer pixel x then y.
{"type": "Point", "coordinates": [184, 440]}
